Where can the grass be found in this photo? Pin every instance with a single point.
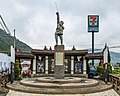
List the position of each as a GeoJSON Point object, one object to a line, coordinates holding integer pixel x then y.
{"type": "Point", "coordinates": [116, 71]}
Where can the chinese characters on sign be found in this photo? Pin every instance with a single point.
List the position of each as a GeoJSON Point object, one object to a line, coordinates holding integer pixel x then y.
{"type": "Point", "coordinates": [93, 23]}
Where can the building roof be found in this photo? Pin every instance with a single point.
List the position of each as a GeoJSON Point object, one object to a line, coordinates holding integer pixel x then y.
{"type": "Point", "coordinates": [67, 52]}
{"type": "Point", "coordinates": [24, 55]}
{"type": "Point", "coordinates": [94, 56]}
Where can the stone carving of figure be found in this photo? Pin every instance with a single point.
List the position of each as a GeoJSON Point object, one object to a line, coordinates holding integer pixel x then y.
{"type": "Point", "coordinates": [59, 29]}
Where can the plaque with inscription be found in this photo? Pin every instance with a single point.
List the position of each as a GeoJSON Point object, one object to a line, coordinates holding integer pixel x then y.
{"type": "Point", "coordinates": [59, 58]}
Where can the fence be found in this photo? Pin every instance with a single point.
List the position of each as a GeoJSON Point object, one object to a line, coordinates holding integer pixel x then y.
{"type": "Point", "coordinates": [4, 80]}
{"type": "Point", "coordinates": [115, 80]}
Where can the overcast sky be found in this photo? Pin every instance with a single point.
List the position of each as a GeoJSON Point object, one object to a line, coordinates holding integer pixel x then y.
{"type": "Point", "coordinates": [35, 21]}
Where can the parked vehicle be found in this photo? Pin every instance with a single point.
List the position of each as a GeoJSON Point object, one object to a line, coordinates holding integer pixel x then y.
{"type": "Point", "coordinates": [93, 72]}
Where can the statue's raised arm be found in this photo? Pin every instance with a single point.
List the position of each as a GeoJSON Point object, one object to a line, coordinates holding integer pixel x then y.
{"type": "Point", "coordinates": [58, 17]}
{"type": "Point", "coordinates": [59, 29]}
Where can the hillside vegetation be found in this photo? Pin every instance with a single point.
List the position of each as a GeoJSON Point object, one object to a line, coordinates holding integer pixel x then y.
{"type": "Point", "coordinates": [7, 40]}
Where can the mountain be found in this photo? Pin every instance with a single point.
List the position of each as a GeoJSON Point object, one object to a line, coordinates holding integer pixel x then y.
{"type": "Point", "coordinates": [115, 57]}
{"type": "Point", "coordinates": [7, 40]}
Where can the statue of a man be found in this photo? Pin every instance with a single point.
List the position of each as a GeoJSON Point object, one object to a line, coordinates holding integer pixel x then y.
{"type": "Point", "coordinates": [59, 29]}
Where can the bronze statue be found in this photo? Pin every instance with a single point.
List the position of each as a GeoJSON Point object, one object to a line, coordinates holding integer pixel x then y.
{"type": "Point", "coordinates": [59, 29]}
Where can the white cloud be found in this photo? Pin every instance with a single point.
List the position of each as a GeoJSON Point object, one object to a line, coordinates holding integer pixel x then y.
{"type": "Point", "coordinates": [35, 21]}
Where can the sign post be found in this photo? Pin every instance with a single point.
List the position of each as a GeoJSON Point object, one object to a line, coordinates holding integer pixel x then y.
{"type": "Point", "coordinates": [92, 47]}
{"type": "Point", "coordinates": [93, 26]}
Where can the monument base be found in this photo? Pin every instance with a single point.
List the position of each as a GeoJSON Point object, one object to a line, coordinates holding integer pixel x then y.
{"type": "Point", "coordinates": [59, 62]}
{"type": "Point", "coordinates": [59, 72]}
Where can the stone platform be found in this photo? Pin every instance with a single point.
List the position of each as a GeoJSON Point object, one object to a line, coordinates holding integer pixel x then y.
{"type": "Point", "coordinates": [85, 86]}
{"type": "Point", "coordinates": [110, 92]}
{"type": "Point", "coordinates": [59, 83]}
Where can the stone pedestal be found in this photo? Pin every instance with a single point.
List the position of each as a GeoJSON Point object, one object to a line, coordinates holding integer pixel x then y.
{"type": "Point", "coordinates": [59, 61]}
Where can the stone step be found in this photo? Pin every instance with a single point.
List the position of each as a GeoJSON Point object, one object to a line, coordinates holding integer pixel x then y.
{"type": "Point", "coordinates": [60, 83]}
{"type": "Point", "coordinates": [101, 86]}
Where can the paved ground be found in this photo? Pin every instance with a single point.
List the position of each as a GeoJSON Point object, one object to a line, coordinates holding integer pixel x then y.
{"type": "Point", "coordinates": [110, 92]}
{"type": "Point", "coordinates": [6, 92]}
{"type": "Point", "coordinates": [3, 91]}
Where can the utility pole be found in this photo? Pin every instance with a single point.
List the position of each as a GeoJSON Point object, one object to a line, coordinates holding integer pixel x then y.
{"type": "Point", "coordinates": [14, 39]}
{"type": "Point", "coordinates": [92, 47]}
{"type": "Point", "coordinates": [12, 77]}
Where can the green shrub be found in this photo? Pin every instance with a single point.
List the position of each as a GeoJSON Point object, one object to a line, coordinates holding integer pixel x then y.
{"type": "Point", "coordinates": [17, 71]}
{"type": "Point", "coordinates": [109, 68]}
{"type": "Point", "coordinates": [116, 71]}
{"type": "Point", "coordinates": [100, 70]}
{"type": "Point", "coordinates": [20, 78]}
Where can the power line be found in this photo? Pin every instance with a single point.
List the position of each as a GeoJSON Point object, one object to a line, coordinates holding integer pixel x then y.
{"type": "Point", "coordinates": [115, 46]}
{"type": "Point", "coordinates": [2, 27]}
{"type": "Point", "coordinates": [4, 24]}
{"type": "Point", "coordinates": [56, 6]}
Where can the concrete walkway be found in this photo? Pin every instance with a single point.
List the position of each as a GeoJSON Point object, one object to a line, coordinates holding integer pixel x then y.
{"type": "Point", "coordinates": [110, 92]}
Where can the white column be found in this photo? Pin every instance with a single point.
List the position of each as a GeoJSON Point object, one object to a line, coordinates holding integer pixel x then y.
{"type": "Point", "coordinates": [34, 65]}
{"type": "Point", "coordinates": [84, 66]}
{"type": "Point", "coordinates": [105, 55]}
{"type": "Point", "coordinates": [13, 54]}
{"type": "Point", "coordinates": [46, 64]}
{"type": "Point", "coordinates": [72, 64]}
